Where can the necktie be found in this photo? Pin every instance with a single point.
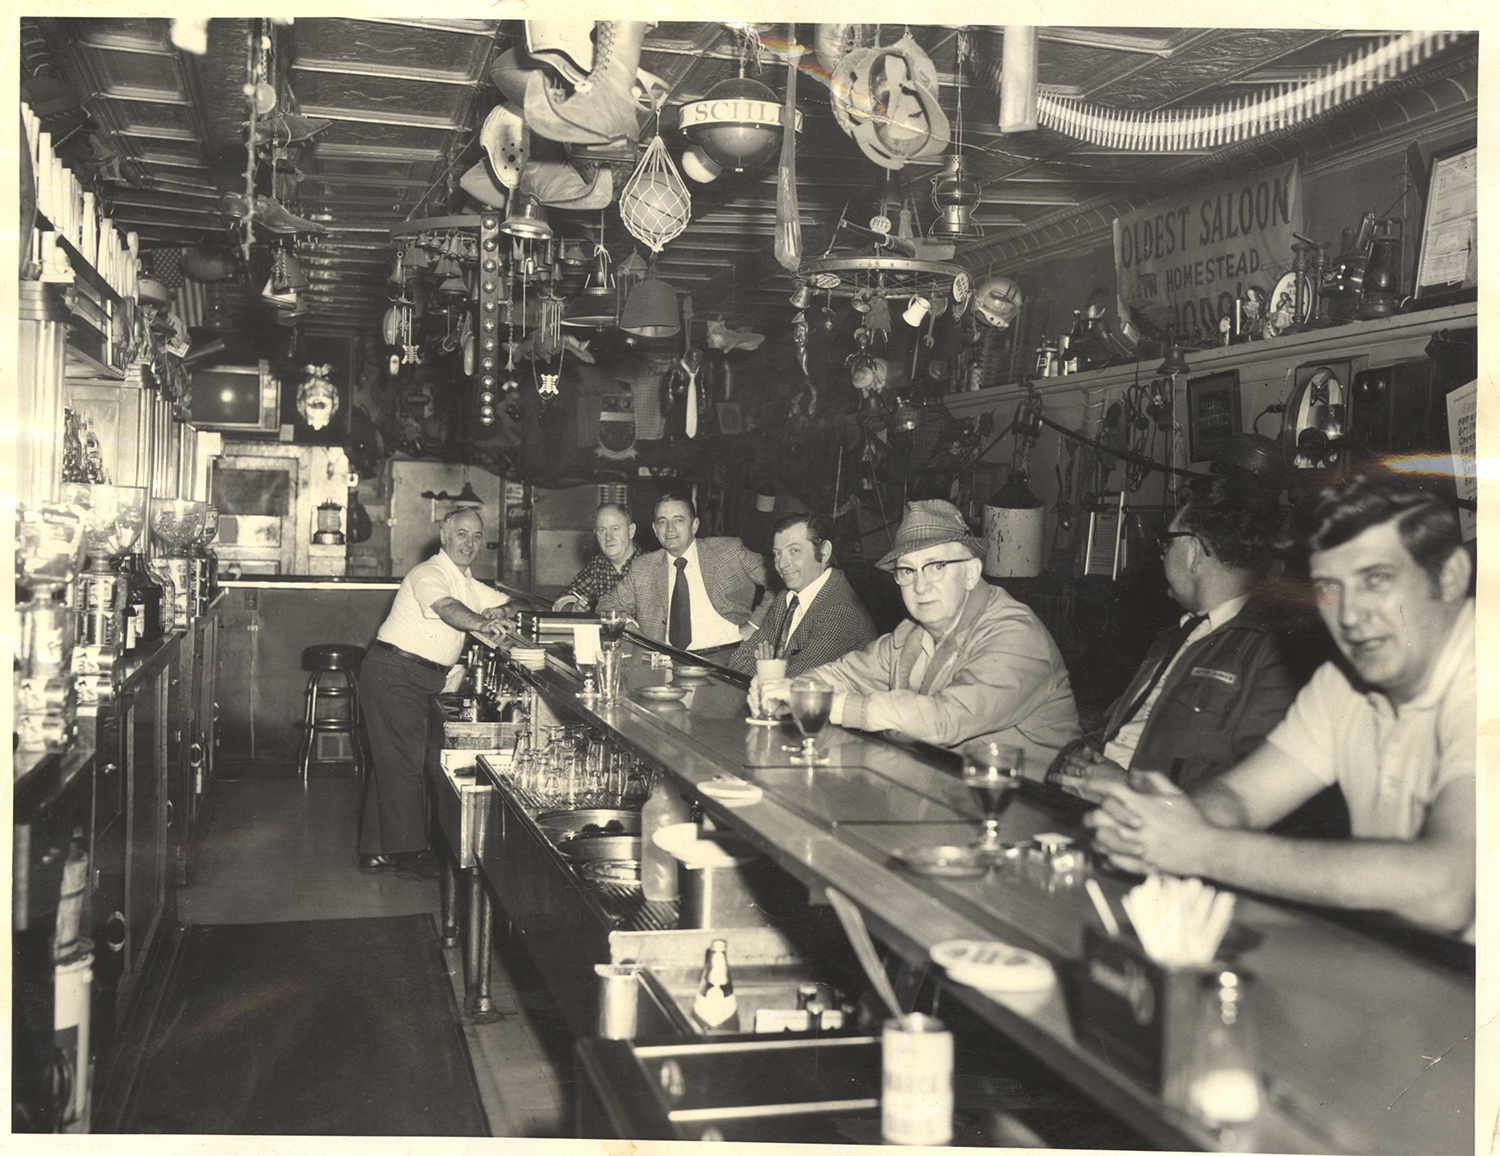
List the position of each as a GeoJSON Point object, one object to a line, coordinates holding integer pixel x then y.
{"type": "Point", "coordinates": [1175, 642]}
{"type": "Point", "coordinates": [690, 421]}
{"type": "Point", "coordinates": [784, 632]}
{"type": "Point", "coordinates": [680, 616]}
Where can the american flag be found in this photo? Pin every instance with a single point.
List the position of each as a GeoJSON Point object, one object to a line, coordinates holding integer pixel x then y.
{"type": "Point", "coordinates": [189, 297]}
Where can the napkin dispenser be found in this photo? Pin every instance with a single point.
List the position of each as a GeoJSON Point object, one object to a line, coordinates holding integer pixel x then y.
{"type": "Point", "coordinates": [551, 625]}
{"type": "Point", "coordinates": [1132, 1012]}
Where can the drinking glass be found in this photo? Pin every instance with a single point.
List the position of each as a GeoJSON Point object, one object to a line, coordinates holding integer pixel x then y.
{"type": "Point", "coordinates": [811, 702]}
{"type": "Point", "coordinates": [610, 660]}
{"type": "Point", "coordinates": [612, 625]}
{"type": "Point", "coordinates": [767, 670]}
{"type": "Point", "coordinates": [992, 772]}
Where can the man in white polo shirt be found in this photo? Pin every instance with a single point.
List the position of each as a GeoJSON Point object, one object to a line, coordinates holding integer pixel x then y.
{"type": "Point", "coordinates": [1394, 725]}
{"type": "Point", "coordinates": [439, 602]}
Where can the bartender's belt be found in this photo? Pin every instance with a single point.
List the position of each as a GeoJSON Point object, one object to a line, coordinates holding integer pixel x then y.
{"type": "Point", "coordinates": [408, 655]}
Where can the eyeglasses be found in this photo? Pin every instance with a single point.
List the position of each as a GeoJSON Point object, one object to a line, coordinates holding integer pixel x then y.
{"type": "Point", "coordinates": [932, 571]}
{"type": "Point", "coordinates": [1164, 538]}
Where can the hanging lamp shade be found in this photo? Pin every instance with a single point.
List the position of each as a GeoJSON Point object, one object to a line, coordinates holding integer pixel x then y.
{"type": "Point", "coordinates": [526, 218]}
{"type": "Point", "coordinates": [955, 195]}
{"type": "Point", "coordinates": [651, 310]}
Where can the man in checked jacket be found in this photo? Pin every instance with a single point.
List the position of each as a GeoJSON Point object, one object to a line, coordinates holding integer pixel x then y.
{"type": "Point", "coordinates": [820, 617]}
{"type": "Point", "coordinates": [695, 593]}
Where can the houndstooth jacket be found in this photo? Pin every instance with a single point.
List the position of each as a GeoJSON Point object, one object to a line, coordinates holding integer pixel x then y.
{"type": "Point", "coordinates": [730, 571]}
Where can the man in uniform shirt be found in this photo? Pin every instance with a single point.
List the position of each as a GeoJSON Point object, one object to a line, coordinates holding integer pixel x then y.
{"type": "Point", "coordinates": [1212, 687]}
{"type": "Point", "coordinates": [438, 603]}
{"type": "Point", "coordinates": [695, 593]}
{"type": "Point", "coordinates": [820, 617]}
{"type": "Point", "coordinates": [615, 530]}
{"type": "Point", "coordinates": [973, 663]}
{"type": "Point", "coordinates": [1394, 726]}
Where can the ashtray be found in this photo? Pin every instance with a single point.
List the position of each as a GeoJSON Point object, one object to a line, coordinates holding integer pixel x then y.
{"type": "Point", "coordinates": [946, 862]}
{"type": "Point", "coordinates": [663, 693]}
{"type": "Point", "coordinates": [681, 673]}
{"type": "Point", "coordinates": [626, 872]}
{"type": "Point", "coordinates": [993, 966]}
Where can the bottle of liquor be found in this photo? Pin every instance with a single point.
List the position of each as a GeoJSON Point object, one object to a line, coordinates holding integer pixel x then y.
{"type": "Point", "coordinates": [145, 602]}
{"type": "Point", "coordinates": [715, 1006]}
{"type": "Point", "coordinates": [1076, 337]}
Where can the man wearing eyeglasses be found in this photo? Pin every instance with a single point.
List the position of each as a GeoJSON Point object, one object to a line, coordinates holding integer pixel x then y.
{"type": "Point", "coordinates": [1211, 687]}
{"type": "Point", "coordinates": [973, 663]}
{"type": "Point", "coordinates": [1392, 726]}
{"type": "Point", "coordinates": [695, 593]}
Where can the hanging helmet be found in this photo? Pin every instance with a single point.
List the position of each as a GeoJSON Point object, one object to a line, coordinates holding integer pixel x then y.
{"type": "Point", "coordinates": [997, 300]}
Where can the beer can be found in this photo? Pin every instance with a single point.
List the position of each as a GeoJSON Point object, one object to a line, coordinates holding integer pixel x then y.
{"type": "Point", "coordinates": [916, 1102]}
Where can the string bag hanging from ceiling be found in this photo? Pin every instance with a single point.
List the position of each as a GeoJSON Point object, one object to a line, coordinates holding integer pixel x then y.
{"type": "Point", "coordinates": [655, 204]}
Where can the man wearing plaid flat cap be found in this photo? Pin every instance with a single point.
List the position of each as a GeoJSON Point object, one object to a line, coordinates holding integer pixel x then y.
{"type": "Point", "coordinates": [973, 663]}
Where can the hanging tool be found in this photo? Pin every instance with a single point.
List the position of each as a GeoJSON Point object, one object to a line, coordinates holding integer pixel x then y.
{"type": "Point", "coordinates": [788, 213]}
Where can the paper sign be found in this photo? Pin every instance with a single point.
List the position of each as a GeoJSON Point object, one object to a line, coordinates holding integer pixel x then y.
{"type": "Point", "coordinates": [586, 645]}
{"type": "Point", "coordinates": [1463, 414]}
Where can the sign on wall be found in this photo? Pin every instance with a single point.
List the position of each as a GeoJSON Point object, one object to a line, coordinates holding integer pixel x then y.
{"type": "Point", "coordinates": [1185, 262]}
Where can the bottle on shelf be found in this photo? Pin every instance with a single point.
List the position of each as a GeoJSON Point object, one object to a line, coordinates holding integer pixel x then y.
{"type": "Point", "coordinates": [715, 1006]}
{"type": "Point", "coordinates": [1074, 342]}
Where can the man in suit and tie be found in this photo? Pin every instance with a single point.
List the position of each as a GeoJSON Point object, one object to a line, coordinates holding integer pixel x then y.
{"type": "Point", "coordinates": [1215, 684]}
{"type": "Point", "coordinates": [820, 617]}
{"type": "Point", "coordinates": [696, 593]}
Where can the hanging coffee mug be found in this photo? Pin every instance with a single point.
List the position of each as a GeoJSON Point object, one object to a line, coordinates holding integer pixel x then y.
{"type": "Point", "coordinates": [916, 311]}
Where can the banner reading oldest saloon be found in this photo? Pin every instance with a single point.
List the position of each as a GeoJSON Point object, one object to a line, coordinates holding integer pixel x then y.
{"type": "Point", "coordinates": [1184, 263]}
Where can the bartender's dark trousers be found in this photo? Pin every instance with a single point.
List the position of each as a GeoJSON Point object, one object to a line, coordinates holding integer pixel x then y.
{"type": "Point", "coordinates": [404, 723]}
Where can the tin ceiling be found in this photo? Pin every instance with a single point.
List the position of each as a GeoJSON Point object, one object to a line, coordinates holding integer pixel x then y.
{"type": "Point", "coordinates": [164, 131]}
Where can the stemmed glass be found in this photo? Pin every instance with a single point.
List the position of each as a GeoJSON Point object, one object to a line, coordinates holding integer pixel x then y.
{"type": "Point", "coordinates": [612, 625]}
{"type": "Point", "coordinates": [992, 772]}
{"type": "Point", "coordinates": [811, 702]}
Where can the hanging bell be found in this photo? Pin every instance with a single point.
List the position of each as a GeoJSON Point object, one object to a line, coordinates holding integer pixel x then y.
{"type": "Point", "coordinates": [803, 297]}
{"type": "Point", "coordinates": [526, 218]}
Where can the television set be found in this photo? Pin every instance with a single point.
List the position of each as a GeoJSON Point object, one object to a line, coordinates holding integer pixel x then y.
{"type": "Point", "coordinates": [242, 399]}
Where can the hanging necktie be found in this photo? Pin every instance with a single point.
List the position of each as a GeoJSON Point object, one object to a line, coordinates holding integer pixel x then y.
{"type": "Point", "coordinates": [1175, 642]}
{"type": "Point", "coordinates": [784, 632]}
{"type": "Point", "coordinates": [690, 422]}
{"type": "Point", "coordinates": [680, 616]}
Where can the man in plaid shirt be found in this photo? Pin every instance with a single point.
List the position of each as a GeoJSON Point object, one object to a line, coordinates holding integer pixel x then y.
{"type": "Point", "coordinates": [615, 530]}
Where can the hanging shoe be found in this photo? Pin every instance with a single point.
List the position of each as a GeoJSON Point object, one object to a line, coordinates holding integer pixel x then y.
{"type": "Point", "coordinates": [274, 218]}
{"type": "Point", "coordinates": [566, 45]}
{"type": "Point", "coordinates": [542, 101]}
{"type": "Point", "coordinates": [480, 183]}
{"type": "Point", "coordinates": [558, 185]}
{"type": "Point", "coordinates": [602, 104]}
{"type": "Point", "coordinates": [509, 73]}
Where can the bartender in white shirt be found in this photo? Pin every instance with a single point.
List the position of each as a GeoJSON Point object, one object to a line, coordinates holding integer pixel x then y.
{"type": "Point", "coordinates": [439, 602]}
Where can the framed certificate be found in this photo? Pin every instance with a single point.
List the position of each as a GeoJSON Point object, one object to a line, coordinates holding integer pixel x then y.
{"type": "Point", "coordinates": [1448, 253]}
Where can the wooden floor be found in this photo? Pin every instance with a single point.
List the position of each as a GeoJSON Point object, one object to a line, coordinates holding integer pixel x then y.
{"type": "Point", "coordinates": [275, 850]}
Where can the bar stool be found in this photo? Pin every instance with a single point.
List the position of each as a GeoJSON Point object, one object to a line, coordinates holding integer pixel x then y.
{"type": "Point", "coordinates": [331, 717]}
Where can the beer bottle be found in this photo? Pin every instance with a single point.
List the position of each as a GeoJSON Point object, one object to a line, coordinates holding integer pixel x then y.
{"type": "Point", "coordinates": [715, 1006]}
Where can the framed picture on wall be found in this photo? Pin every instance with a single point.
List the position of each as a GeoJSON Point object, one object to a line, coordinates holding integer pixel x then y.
{"type": "Point", "coordinates": [1448, 253]}
{"type": "Point", "coordinates": [1213, 413]}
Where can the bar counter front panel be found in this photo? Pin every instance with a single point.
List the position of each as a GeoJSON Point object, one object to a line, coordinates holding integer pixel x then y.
{"type": "Point", "coordinates": [1349, 1027]}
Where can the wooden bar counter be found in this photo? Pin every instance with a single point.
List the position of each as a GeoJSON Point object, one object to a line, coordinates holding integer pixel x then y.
{"type": "Point", "coordinates": [1366, 1047]}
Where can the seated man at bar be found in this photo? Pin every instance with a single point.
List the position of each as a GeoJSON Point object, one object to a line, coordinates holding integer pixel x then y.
{"type": "Point", "coordinates": [696, 593]}
{"type": "Point", "coordinates": [439, 601]}
{"type": "Point", "coordinates": [1211, 687]}
{"type": "Point", "coordinates": [614, 529]}
{"type": "Point", "coordinates": [973, 663]}
{"type": "Point", "coordinates": [820, 617]}
{"type": "Point", "coordinates": [1393, 725]}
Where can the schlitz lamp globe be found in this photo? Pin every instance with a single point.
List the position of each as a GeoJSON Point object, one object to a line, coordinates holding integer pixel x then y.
{"type": "Point", "coordinates": [737, 123]}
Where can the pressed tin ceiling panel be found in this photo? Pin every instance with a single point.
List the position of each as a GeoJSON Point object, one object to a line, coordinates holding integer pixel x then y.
{"type": "Point", "coordinates": [405, 98]}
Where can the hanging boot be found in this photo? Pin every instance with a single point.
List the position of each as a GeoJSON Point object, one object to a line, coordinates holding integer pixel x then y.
{"type": "Point", "coordinates": [543, 98]}
{"type": "Point", "coordinates": [602, 104]}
